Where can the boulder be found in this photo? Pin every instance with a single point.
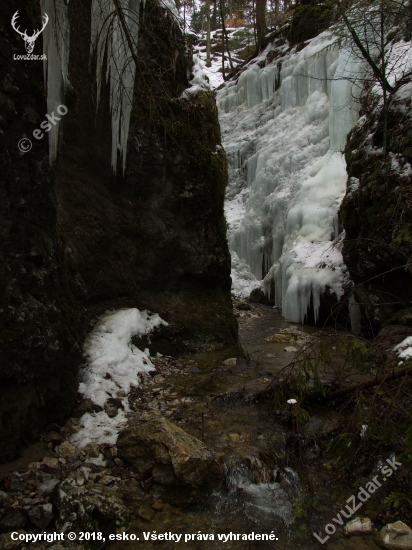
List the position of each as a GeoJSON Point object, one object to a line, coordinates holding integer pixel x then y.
{"type": "Point", "coordinates": [90, 507]}
{"type": "Point", "coordinates": [358, 526]}
{"type": "Point", "coordinates": [41, 515]}
{"type": "Point", "coordinates": [156, 445]}
{"type": "Point", "coordinates": [395, 536]}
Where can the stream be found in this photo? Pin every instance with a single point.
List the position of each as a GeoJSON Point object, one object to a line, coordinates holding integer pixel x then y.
{"type": "Point", "coordinates": [206, 394]}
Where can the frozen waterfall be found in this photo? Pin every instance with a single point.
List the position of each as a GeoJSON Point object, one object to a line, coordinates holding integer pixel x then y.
{"type": "Point", "coordinates": [284, 125]}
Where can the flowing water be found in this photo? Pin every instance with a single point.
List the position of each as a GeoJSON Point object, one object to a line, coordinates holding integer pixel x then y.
{"type": "Point", "coordinates": [261, 493]}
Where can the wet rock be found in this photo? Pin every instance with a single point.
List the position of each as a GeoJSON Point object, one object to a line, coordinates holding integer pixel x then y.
{"type": "Point", "coordinates": [358, 526]}
{"type": "Point", "coordinates": [66, 449]}
{"type": "Point", "coordinates": [12, 522]}
{"type": "Point", "coordinates": [7, 543]}
{"type": "Point", "coordinates": [41, 515]}
{"type": "Point", "coordinates": [395, 536]}
{"type": "Point", "coordinates": [230, 362]}
{"type": "Point", "coordinates": [91, 507]}
{"type": "Point", "coordinates": [155, 442]}
{"type": "Point", "coordinates": [146, 512]}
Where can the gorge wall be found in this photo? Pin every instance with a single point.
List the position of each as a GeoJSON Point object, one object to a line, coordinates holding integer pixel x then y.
{"type": "Point", "coordinates": [77, 239]}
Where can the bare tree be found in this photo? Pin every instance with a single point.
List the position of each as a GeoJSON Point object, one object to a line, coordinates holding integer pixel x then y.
{"type": "Point", "coordinates": [372, 32]}
{"type": "Point", "coordinates": [261, 28]}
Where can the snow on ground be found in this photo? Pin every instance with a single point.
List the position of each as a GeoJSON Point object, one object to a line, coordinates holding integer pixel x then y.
{"type": "Point", "coordinates": [112, 367]}
{"type": "Point", "coordinates": [404, 350]}
{"type": "Point", "coordinates": [284, 124]}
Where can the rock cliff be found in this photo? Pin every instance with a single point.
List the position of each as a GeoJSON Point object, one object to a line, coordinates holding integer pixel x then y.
{"type": "Point", "coordinates": [376, 213]}
{"type": "Point", "coordinates": [76, 239]}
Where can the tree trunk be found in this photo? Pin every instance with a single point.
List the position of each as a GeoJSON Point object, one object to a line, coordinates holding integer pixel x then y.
{"type": "Point", "coordinates": [261, 24]}
{"type": "Point", "coordinates": [208, 62]}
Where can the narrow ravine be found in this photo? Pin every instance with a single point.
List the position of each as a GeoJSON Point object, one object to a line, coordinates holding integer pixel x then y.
{"type": "Point", "coordinates": [208, 395]}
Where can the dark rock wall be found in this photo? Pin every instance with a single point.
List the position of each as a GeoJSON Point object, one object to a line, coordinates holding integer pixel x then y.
{"type": "Point", "coordinates": [40, 317]}
{"type": "Point", "coordinates": [154, 238]}
{"type": "Point", "coordinates": [377, 215]}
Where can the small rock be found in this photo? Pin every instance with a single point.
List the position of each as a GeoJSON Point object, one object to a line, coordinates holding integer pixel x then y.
{"type": "Point", "coordinates": [231, 361]}
{"type": "Point", "coordinates": [243, 306]}
{"type": "Point", "coordinates": [50, 463]}
{"type": "Point", "coordinates": [194, 370]}
{"type": "Point", "coordinates": [41, 515]}
{"type": "Point", "coordinates": [291, 349]}
{"type": "Point", "coordinates": [111, 410]}
{"type": "Point", "coordinates": [146, 512]}
{"type": "Point", "coordinates": [53, 437]}
{"type": "Point", "coordinates": [17, 485]}
{"type": "Point", "coordinates": [12, 522]}
{"type": "Point", "coordinates": [395, 536]}
{"type": "Point", "coordinates": [7, 543]}
{"type": "Point", "coordinates": [158, 505]}
{"type": "Point", "coordinates": [86, 406]}
{"type": "Point", "coordinates": [109, 452]}
{"type": "Point", "coordinates": [92, 450]}
{"type": "Point", "coordinates": [48, 486]}
{"type": "Point", "coordinates": [66, 449]}
{"type": "Point", "coordinates": [358, 526]}
{"type": "Point", "coordinates": [72, 426]}
{"type": "Point", "coordinates": [234, 438]}
{"type": "Point", "coordinates": [119, 462]}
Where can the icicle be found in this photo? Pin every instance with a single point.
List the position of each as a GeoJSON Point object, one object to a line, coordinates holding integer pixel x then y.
{"type": "Point", "coordinates": [108, 36]}
{"type": "Point", "coordinates": [56, 47]}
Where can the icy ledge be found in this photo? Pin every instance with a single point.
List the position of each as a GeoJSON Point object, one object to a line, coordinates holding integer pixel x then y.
{"type": "Point", "coordinates": [112, 367]}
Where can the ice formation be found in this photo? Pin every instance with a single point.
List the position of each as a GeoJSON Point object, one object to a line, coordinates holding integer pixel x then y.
{"type": "Point", "coordinates": [284, 125]}
{"type": "Point", "coordinates": [112, 367]}
{"type": "Point", "coordinates": [56, 47]}
{"type": "Point", "coordinates": [199, 81]}
{"type": "Point", "coordinates": [108, 38]}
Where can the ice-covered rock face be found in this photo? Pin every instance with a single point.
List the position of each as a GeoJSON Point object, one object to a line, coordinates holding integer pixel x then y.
{"type": "Point", "coordinates": [284, 127]}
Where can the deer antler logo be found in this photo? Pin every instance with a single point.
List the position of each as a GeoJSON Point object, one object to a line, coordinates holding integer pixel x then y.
{"type": "Point", "coordinates": [29, 41]}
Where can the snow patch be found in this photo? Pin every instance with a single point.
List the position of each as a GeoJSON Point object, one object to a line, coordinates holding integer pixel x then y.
{"type": "Point", "coordinates": [404, 349]}
{"type": "Point", "coordinates": [112, 366]}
